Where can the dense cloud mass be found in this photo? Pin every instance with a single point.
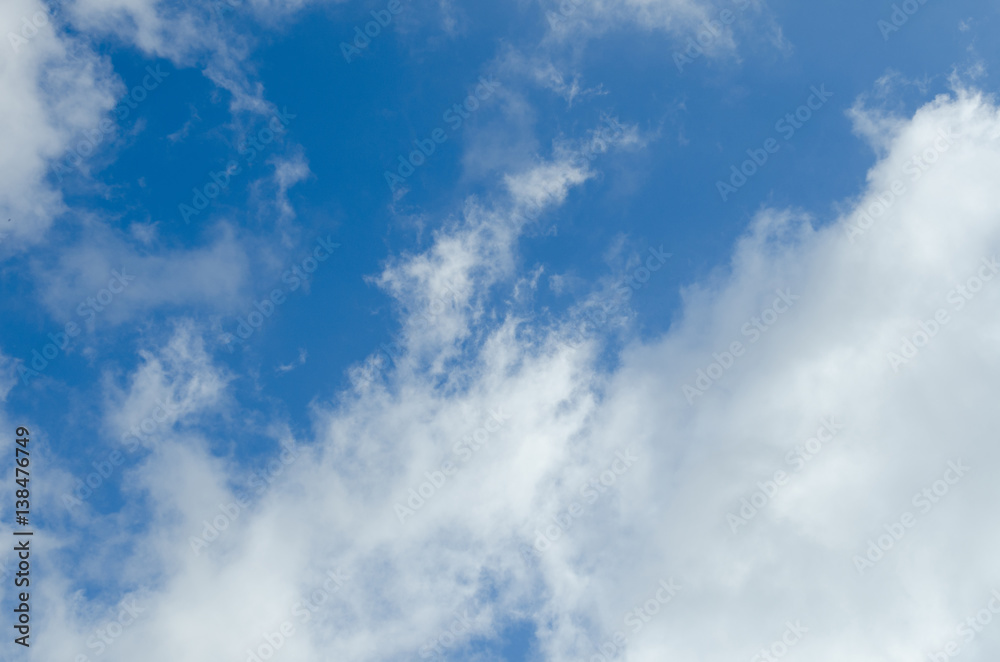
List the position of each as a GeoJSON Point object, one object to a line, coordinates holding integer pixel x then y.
{"type": "Point", "coordinates": [801, 463]}
{"type": "Point", "coordinates": [520, 483]}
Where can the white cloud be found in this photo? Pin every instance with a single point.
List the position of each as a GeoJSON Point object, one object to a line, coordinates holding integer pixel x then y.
{"type": "Point", "coordinates": [167, 387]}
{"type": "Point", "coordinates": [666, 515]}
{"type": "Point", "coordinates": [598, 16]}
{"type": "Point", "coordinates": [288, 367]}
{"type": "Point", "coordinates": [690, 30]}
{"type": "Point", "coordinates": [216, 276]}
{"type": "Point", "coordinates": [288, 171]}
{"type": "Point", "coordinates": [59, 91]}
{"type": "Point", "coordinates": [54, 90]}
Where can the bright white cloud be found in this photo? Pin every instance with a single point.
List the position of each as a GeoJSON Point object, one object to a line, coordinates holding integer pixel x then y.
{"type": "Point", "coordinates": [54, 91]}
{"type": "Point", "coordinates": [528, 422]}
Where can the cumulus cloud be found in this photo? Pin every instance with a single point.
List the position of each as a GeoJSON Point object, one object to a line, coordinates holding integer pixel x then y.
{"type": "Point", "coordinates": [525, 483]}
{"type": "Point", "coordinates": [55, 89]}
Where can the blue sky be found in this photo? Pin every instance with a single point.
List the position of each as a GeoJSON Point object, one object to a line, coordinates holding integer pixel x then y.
{"type": "Point", "coordinates": [199, 200]}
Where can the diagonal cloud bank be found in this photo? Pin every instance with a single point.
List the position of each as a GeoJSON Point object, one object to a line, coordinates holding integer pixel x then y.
{"type": "Point", "coordinates": [815, 495]}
